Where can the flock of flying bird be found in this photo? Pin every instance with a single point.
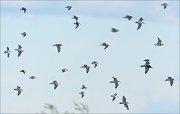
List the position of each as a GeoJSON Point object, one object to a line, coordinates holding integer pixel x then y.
{"type": "Point", "coordinates": [147, 65]}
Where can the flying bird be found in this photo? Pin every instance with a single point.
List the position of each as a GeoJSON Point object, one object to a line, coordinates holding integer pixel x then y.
{"type": "Point", "coordinates": [87, 68]}
{"type": "Point", "coordinates": [23, 34]}
{"type": "Point", "coordinates": [115, 81]}
{"type": "Point", "coordinates": [114, 30]}
{"type": "Point", "coordinates": [124, 102]}
{"type": "Point", "coordinates": [164, 5]}
{"type": "Point", "coordinates": [82, 94]}
{"type": "Point", "coordinates": [64, 70]}
{"type": "Point", "coordinates": [171, 80]}
{"type": "Point", "coordinates": [68, 7]}
{"type": "Point", "coordinates": [19, 89]}
{"type": "Point", "coordinates": [114, 96]}
{"type": "Point", "coordinates": [95, 63]}
{"type": "Point", "coordinates": [159, 43]}
{"type": "Point", "coordinates": [129, 17]}
{"type": "Point", "coordinates": [77, 24]}
{"type": "Point", "coordinates": [105, 45]}
{"type": "Point", "coordinates": [32, 77]}
{"type": "Point", "coordinates": [19, 50]}
{"type": "Point", "coordinates": [146, 65]}
{"type": "Point", "coordinates": [58, 47]}
{"type": "Point", "coordinates": [83, 87]}
{"type": "Point", "coordinates": [55, 84]}
{"type": "Point", "coordinates": [75, 17]}
{"type": "Point", "coordinates": [23, 71]}
{"type": "Point", "coordinates": [140, 22]}
{"type": "Point", "coordinates": [23, 9]}
{"type": "Point", "coordinates": [7, 52]}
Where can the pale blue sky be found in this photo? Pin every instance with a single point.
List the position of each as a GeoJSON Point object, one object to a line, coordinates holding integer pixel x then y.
{"type": "Point", "coordinates": [48, 23]}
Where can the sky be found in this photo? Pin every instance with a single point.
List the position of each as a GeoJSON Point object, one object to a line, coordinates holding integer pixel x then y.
{"type": "Point", "coordinates": [48, 23]}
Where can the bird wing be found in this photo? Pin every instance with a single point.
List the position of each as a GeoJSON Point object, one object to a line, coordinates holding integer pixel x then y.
{"type": "Point", "coordinates": [7, 48]}
{"type": "Point", "coordinates": [165, 6]}
{"type": "Point", "coordinates": [141, 19]}
{"type": "Point", "coordinates": [146, 69]}
{"type": "Point", "coordinates": [19, 47]}
{"type": "Point", "coordinates": [171, 82]}
{"type": "Point", "coordinates": [87, 70]}
{"type": "Point", "coordinates": [126, 106]}
{"type": "Point", "coordinates": [8, 55]}
{"type": "Point", "coordinates": [116, 85]}
{"type": "Point", "coordinates": [95, 65]}
{"type": "Point", "coordinates": [58, 49]}
{"type": "Point", "coordinates": [19, 53]}
{"type": "Point", "coordinates": [123, 99]}
{"type": "Point", "coordinates": [139, 26]}
{"type": "Point", "coordinates": [159, 41]}
{"type": "Point", "coordinates": [55, 86]}
{"type": "Point", "coordinates": [113, 98]}
{"type": "Point", "coordinates": [106, 46]}
{"type": "Point", "coordinates": [19, 92]}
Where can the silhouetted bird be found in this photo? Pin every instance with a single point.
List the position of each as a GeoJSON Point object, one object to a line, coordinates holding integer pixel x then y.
{"type": "Point", "coordinates": [95, 63]}
{"type": "Point", "coordinates": [159, 43]}
{"type": "Point", "coordinates": [124, 102]}
{"type": "Point", "coordinates": [82, 94]}
{"type": "Point", "coordinates": [58, 47]}
{"type": "Point", "coordinates": [77, 24]}
{"type": "Point", "coordinates": [114, 30]}
{"type": "Point", "coordinates": [128, 17]}
{"type": "Point", "coordinates": [114, 96]}
{"type": "Point", "coordinates": [115, 81]}
{"type": "Point", "coordinates": [171, 80]}
{"type": "Point", "coordinates": [164, 5]}
{"type": "Point", "coordinates": [23, 9]}
{"type": "Point", "coordinates": [105, 45]}
{"type": "Point", "coordinates": [24, 34]}
{"type": "Point", "coordinates": [23, 71]}
{"type": "Point", "coordinates": [64, 70]}
{"type": "Point", "coordinates": [146, 65]}
{"type": "Point", "coordinates": [55, 84]}
{"type": "Point", "coordinates": [68, 7]}
{"type": "Point", "coordinates": [19, 89]}
{"type": "Point", "coordinates": [87, 68]}
{"type": "Point", "coordinates": [83, 87]}
{"type": "Point", "coordinates": [19, 50]}
{"type": "Point", "coordinates": [140, 22]}
{"type": "Point", "coordinates": [75, 17]}
{"type": "Point", "coordinates": [32, 77]}
{"type": "Point", "coordinates": [7, 52]}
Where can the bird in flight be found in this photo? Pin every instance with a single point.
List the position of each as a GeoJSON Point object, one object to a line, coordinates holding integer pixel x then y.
{"type": "Point", "coordinates": [75, 17]}
{"type": "Point", "coordinates": [58, 47]}
{"type": "Point", "coordinates": [83, 87]}
{"type": "Point", "coordinates": [32, 77]}
{"type": "Point", "coordinates": [164, 5]}
{"type": "Point", "coordinates": [64, 70]}
{"type": "Point", "coordinates": [23, 34]}
{"type": "Point", "coordinates": [23, 9]}
{"type": "Point", "coordinates": [82, 94]}
{"type": "Point", "coordinates": [171, 80]}
{"type": "Point", "coordinates": [68, 7]}
{"type": "Point", "coordinates": [87, 67]}
{"type": "Point", "coordinates": [124, 102]}
{"type": "Point", "coordinates": [19, 50]}
{"type": "Point", "coordinates": [95, 63]}
{"type": "Point", "coordinates": [23, 71]}
{"type": "Point", "coordinates": [114, 30]}
{"type": "Point", "coordinates": [105, 45]}
{"type": "Point", "coordinates": [19, 89]}
{"type": "Point", "coordinates": [146, 65]}
{"type": "Point", "coordinates": [77, 24]}
{"type": "Point", "coordinates": [159, 43]}
{"type": "Point", "coordinates": [55, 84]}
{"type": "Point", "coordinates": [115, 81]}
{"type": "Point", "coordinates": [140, 22]}
{"type": "Point", "coordinates": [114, 96]}
{"type": "Point", "coordinates": [128, 17]}
{"type": "Point", "coordinates": [7, 52]}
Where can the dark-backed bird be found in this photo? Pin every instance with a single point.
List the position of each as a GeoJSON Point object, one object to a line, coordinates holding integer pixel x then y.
{"type": "Point", "coordinates": [75, 17]}
{"type": "Point", "coordinates": [114, 30]}
{"type": "Point", "coordinates": [55, 84]}
{"type": "Point", "coordinates": [171, 80]}
{"type": "Point", "coordinates": [105, 45]}
{"type": "Point", "coordinates": [64, 70]}
{"type": "Point", "coordinates": [7, 52]}
{"type": "Point", "coordinates": [129, 17]}
{"type": "Point", "coordinates": [82, 94]}
{"type": "Point", "coordinates": [68, 7]}
{"type": "Point", "coordinates": [140, 22]}
{"type": "Point", "coordinates": [23, 34]}
{"type": "Point", "coordinates": [20, 50]}
{"type": "Point", "coordinates": [58, 47]}
{"type": "Point", "coordinates": [77, 24]}
{"type": "Point", "coordinates": [159, 43]}
{"type": "Point", "coordinates": [95, 63]}
{"type": "Point", "coordinates": [114, 96]}
{"type": "Point", "coordinates": [115, 81]}
{"type": "Point", "coordinates": [23, 71]}
{"type": "Point", "coordinates": [164, 5]}
{"type": "Point", "coordinates": [32, 77]}
{"type": "Point", "coordinates": [83, 87]}
{"type": "Point", "coordinates": [124, 102]}
{"type": "Point", "coordinates": [86, 67]}
{"type": "Point", "coordinates": [23, 9]}
{"type": "Point", "coordinates": [19, 89]}
{"type": "Point", "coordinates": [146, 66]}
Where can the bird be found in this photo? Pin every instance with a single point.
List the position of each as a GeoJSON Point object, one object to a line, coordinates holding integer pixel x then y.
{"type": "Point", "coordinates": [58, 47]}
{"type": "Point", "coordinates": [86, 66]}
{"type": "Point", "coordinates": [75, 17]}
{"type": "Point", "coordinates": [7, 52]}
{"type": "Point", "coordinates": [64, 70]}
{"type": "Point", "coordinates": [55, 84]}
{"type": "Point", "coordinates": [77, 24]}
{"type": "Point", "coordinates": [68, 7]}
{"type": "Point", "coordinates": [147, 61]}
{"type": "Point", "coordinates": [171, 80]}
{"type": "Point", "coordinates": [115, 81]}
{"type": "Point", "coordinates": [146, 66]}
{"type": "Point", "coordinates": [159, 43]}
{"type": "Point", "coordinates": [19, 50]}
{"type": "Point", "coordinates": [23, 34]}
{"type": "Point", "coordinates": [114, 30]}
{"type": "Point", "coordinates": [140, 22]}
{"type": "Point", "coordinates": [114, 96]}
{"type": "Point", "coordinates": [23, 71]}
{"type": "Point", "coordinates": [95, 63]}
{"type": "Point", "coordinates": [124, 102]}
{"type": "Point", "coordinates": [105, 45]}
{"type": "Point", "coordinates": [83, 87]}
{"type": "Point", "coordinates": [32, 77]}
{"type": "Point", "coordinates": [19, 89]}
{"type": "Point", "coordinates": [24, 9]}
{"type": "Point", "coordinates": [129, 17]}
{"type": "Point", "coordinates": [82, 94]}
{"type": "Point", "coordinates": [164, 5]}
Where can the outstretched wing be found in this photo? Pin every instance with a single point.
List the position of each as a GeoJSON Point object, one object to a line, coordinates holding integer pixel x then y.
{"type": "Point", "coordinates": [171, 82]}
{"type": "Point", "coordinates": [87, 70]}
{"type": "Point", "coordinates": [126, 106]}
{"type": "Point", "coordinates": [116, 85]}
{"type": "Point", "coordinates": [55, 86]}
{"type": "Point", "coordinates": [19, 47]}
{"type": "Point", "coordinates": [19, 92]}
{"type": "Point", "coordinates": [58, 49]}
{"type": "Point", "coordinates": [139, 26]}
{"type": "Point", "coordinates": [159, 41]}
{"type": "Point", "coordinates": [123, 99]}
{"type": "Point", "coordinates": [19, 53]}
